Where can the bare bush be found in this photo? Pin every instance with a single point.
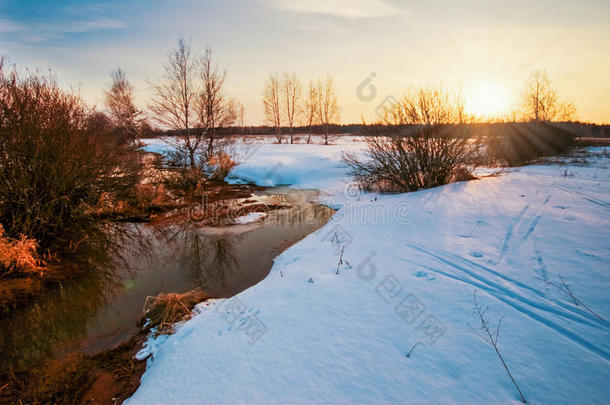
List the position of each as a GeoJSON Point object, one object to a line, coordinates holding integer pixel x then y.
{"type": "Point", "coordinates": [18, 254]}
{"type": "Point", "coordinates": [414, 159]}
{"type": "Point", "coordinates": [424, 145]}
{"type": "Point", "coordinates": [54, 162]}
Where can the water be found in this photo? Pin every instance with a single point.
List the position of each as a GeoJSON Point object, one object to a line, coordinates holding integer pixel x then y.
{"type": "Point", "coordinates": [101, 310]}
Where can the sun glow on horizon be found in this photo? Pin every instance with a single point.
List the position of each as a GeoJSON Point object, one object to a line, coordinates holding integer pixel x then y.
{"type": "Point", "coordinates": [487, 100]}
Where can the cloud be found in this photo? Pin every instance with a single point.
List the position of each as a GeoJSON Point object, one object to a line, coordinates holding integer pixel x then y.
{"type": "Point", "coordinates": [10, 26]}
{"type": "Point", "coordinates": [324, 27]}
{"type": "Point", "coordinates": [38, 32]}
{"type": "Point", "coordinates": [340, 8]}
{"type": "Point", "coordinates": [93, 25]}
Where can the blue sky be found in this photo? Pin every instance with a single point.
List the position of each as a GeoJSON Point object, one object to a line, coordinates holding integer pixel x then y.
{"type": "Point", "coordinates": [406, 43]}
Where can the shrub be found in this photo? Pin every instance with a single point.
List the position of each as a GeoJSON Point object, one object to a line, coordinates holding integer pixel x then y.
{"type": "Point", "coordinates": [55, 161]}
{"type": "Point", "coordinates": [164, 310]}
{"type": "Point", "coordinates": [221, 164]}
{"type": "Point", "coordinates": [417, 158]}
{"type": "Point", "coordinates": [515, 144]}
{"type": "Point", "coordinates": [18, 254]}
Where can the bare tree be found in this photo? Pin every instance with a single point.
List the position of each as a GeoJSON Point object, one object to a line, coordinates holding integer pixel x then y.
{"type": "Point", "coordinates": [241, 114]}
{"type": "Point", "coordinates": [214, 109]}
{"type": "Point", "coordinates": [311, 108]}
{"type": "Point", "coordinates": [328, 110]}
{"type": "Point", "coordinates": [119, 99]}
{"type": "Point", "coordinates": [291, 96]}
{"type": "Point", "coordinates": [541, 102]}
{"type": "Point", "coordinates": [273, 108]}
{"type": "Point", "coordinates": [174, 98]}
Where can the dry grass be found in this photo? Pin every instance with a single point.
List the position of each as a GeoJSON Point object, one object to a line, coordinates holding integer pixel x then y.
{"type": "Point", "coordinates": [18, 254]}
{"type": "Point", "coordinates": [164, 310]}
{"type": "Point", "coordinates": [223, 164]}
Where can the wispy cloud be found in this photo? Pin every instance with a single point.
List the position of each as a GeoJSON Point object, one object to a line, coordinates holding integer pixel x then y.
{"type": "Point", "coordinates": [340, 8]}
{"type": "Point", "coordinates": [41, 31]}
{"type": "Point", "coordinates": [324, 27]}
{"type": "Point", "coordinates": [10, 26]}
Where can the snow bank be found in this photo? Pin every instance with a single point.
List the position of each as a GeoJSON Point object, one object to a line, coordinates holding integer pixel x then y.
{"type": "Point", "coordinates": [299, 165]}
{"type": "Point", "coordinates": [411, 263]}
{"type": "Point", "coordinates": [303, 166]}
{"type": "Point", "coordinates": [250, 217]}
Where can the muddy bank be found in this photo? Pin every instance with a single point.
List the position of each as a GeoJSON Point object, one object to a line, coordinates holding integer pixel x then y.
{"type": "Point", "coordinates": [108, 377]}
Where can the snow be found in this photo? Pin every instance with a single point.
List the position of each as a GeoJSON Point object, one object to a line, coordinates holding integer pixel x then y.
{"type": "Point", "coordinates": [302, 166]}
{"type": "Point", "coordinates": [250, 217]}
{"type": "Point", "coordinates": [411, 263]}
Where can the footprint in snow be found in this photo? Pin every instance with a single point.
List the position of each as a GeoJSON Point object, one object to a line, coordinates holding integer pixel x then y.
{"type": "Point", "coordinates": [423, 274]}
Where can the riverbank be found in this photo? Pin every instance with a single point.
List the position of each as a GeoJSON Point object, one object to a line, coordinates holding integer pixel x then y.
{"type": "Point", "coordinates": [80, 333]}
{"type": "Point", "coordinates": [378, 304]}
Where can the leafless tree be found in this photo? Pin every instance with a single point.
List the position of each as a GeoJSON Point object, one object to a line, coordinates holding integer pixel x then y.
{"type": "Point", "coordinates": [291, 96]}
{"type": "Point", "coordinates": [272, 104]}
{"type": "Point", "coordinates": [241, 114]}
{"type": "Point", "coordinates": [491, 337]}
{"type": "Point", "coordinates": [541, 102]}
{"type": "Point", "coordinates": [311, 108]}
{"type": "Point", "coordinates": [174, 98]}
{"type": "Point", "coordinates": [119, 99]}
{"type": "Point", "coordinates": [214, 109]}
{"type": "Point", "coordinates": [328, 110]}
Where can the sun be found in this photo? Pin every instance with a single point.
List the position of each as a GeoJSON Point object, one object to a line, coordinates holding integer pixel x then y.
{"type": "Point", "coordinates": [487, 100]}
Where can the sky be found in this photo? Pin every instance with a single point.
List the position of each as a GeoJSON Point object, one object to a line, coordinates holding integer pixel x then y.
{"type": "Point", "coordinates": [376, 50]}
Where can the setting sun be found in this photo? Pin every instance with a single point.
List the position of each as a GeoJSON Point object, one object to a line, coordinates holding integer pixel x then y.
{"type": "Point", "coordinates": [487, 100]}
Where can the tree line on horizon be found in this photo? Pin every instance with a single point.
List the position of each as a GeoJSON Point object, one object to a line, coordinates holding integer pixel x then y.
{"type": "Point", "coordinates": [60, 158]}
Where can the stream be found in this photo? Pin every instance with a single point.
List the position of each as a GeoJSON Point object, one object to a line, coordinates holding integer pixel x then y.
{"type": "Point", "coordinates": [101, 310]}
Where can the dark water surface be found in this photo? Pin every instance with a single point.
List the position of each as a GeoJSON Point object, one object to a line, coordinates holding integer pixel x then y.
{"type": "Point", "coordinates": [101, 309]}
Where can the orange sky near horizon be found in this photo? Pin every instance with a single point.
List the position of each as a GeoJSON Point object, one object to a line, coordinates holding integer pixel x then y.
{"type": "Point", "coordinates": [486, 48]}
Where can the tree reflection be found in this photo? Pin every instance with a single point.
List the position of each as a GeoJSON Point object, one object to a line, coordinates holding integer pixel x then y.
{"type": "Point", "coordinates": [207, 258]}
{"type": "Point", "coordinates": [33, 331]}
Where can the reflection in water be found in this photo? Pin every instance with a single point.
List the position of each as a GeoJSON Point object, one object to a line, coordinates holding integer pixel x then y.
{"type": "Point", "coordinates": [32, 332]}
{"type": "Point", "coordinates": [101, 308]}
{"type": "Point", "coordinates": [207, 258]}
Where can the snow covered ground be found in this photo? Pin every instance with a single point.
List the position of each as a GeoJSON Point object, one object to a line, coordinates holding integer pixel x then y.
{"type": "Point", "coordinates": [533, 242]}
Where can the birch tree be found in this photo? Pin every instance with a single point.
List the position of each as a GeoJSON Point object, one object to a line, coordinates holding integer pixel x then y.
{"type": "Point", "coordinates": [174, 98]}
{"type": "Point", "coordinates": [214, 109]}
{"type": "Point", "coordinates": [311, 108]}
{"type": "Point", "coordinates": [328, 110]}
{"type": "Point", "coordinates": [272, 104]}
{"type": "Point", "coordinates": [291, 95]}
